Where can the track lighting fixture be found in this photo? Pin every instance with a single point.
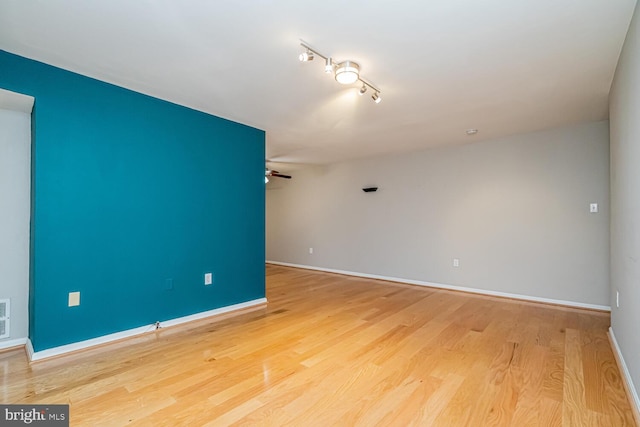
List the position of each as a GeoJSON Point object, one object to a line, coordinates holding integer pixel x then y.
{"type": "Point", "coordinates": [345, 72]}
{"type": "Point", "coordinates": [306, 56]}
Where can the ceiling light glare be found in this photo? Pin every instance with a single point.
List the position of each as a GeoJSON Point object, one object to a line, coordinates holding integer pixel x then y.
{"type": "Point", "coordinates": [362, 90]}
{"type": "Point", "coordinates": [306, 56]}
{"type": "Point", "coordinates": [328, 66]}
{"type": "Point", "coordinates": [347, 72]}
{"type": "Point", "coordinates": [376, 98]}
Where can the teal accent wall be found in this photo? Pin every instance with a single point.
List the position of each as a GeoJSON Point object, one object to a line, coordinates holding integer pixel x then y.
{"type": "Point", "coordinates": [129, 194]}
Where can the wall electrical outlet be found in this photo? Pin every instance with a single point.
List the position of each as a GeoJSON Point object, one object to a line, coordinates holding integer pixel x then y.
{"type": "Point", "coordinates": [208, 278]}
{"type": "Point", "coordinates": [310, 250]}
{"type": "Point", "coordinates": [617, 299]}
{"type": "Point", "coordinates": [593, 208]}
{"type": "Point", "coordinates": [74, 299]}
{"type": "Point", "coordinates": [456, 262]}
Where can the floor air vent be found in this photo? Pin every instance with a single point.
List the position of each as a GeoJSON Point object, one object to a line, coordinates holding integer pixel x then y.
{"type": "Point", "coordinates": [4, 318]}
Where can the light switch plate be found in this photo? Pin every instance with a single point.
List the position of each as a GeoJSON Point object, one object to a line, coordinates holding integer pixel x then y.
{"type": "Point", "coordinates": [208, 278]}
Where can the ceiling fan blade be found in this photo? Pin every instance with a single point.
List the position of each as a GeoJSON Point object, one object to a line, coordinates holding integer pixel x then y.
{"type": "Point", "coordinates": [280, 175]}
{"type": "Point", "coordinates": [271, 172]}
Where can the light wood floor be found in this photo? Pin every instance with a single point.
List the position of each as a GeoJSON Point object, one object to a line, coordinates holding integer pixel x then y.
{"type": "Point", "coordinates": [334, 350]}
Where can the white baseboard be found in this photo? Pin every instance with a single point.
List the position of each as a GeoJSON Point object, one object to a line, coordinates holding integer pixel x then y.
{"type": "Point", "coordinates": [29, 347]}
{"type": "Point", "coordinates": [12, 343]}
{"type": "Point", "coordinates": [81, 345]}
{"type": "Point", "coordinates": [626, 376]}
{"type": "Point", "coordinates": [450, 287]}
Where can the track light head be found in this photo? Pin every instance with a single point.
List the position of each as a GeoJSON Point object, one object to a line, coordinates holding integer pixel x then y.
{"type": "Point", "coordinates": [376, 97]}
{"type": "Point", "coordinates": [328, 66]}
{"type": "Point", "coordinates": [362, 90]}
{"type": "Point", "coordinates": [348, 72]}
{"type": "Point", "coordinates": [306, 56]}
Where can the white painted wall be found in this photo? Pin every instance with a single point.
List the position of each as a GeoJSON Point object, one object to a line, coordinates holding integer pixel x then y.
{"type": "Point", "coordinates": [15, 167]}
{"type": "Point", "coordinates": [515, 211]}
{"type": "Point", "coordinates": [624, 105]}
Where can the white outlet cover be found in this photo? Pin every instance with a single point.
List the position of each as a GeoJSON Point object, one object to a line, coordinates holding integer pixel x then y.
{"type": "Point", "coordinates": [310, 250]}
{"type": "Point", "coordinates": [208, 278]}
{"type": "Point", "coordinates": [74, 299]}
{"type": "Point", "coordinates": [456, 262]}
{"type": "Point", "coordinates": [593, 208]}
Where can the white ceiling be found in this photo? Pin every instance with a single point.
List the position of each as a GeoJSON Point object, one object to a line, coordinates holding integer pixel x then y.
{"type": "Point", "coordinates": [443, 66]}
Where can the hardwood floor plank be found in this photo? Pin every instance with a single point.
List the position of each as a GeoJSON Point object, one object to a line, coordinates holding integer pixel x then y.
{"type": "Point", "coordinates": [574, 408]}
{"type": "Point", "coordinates": [438, 401]}
{"type": "Point", "coordinates": [550, 412]}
